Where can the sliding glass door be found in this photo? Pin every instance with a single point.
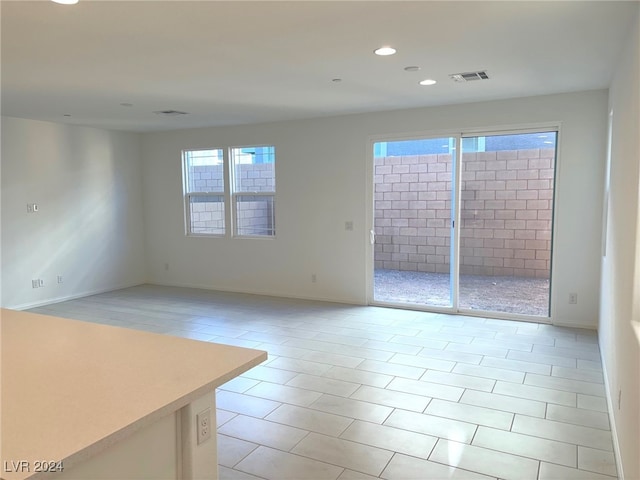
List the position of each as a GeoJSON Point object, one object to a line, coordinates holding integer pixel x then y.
{"type": "Point", "coordinates": [413, 221]}
{"type": "Point", "coordinates": [506, 222]}
{"type": "Point", "coordinates": [497, 259]}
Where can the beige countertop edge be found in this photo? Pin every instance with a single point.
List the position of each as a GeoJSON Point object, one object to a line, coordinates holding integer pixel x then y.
{"type": "Point", "coordinates": [127, 431]}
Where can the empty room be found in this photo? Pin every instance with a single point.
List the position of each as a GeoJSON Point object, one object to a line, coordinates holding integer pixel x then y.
{"type": "Point", "coordinates": [320, 240]}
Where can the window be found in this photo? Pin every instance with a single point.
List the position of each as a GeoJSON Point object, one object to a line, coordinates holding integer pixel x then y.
{"type": "Point", "coordinates": [245, 205]}
{"type": "Point", "coordinates": [204, 192]}
{"type": "Point", "coordinates": [254, 190]}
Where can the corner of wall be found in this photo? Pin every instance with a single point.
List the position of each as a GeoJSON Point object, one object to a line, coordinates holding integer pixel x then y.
{"type": "Point", "coordinates": [87, 234]}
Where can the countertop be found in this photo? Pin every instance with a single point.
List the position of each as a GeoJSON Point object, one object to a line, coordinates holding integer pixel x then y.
{"type": "Point", "coordinates": [70, 389]}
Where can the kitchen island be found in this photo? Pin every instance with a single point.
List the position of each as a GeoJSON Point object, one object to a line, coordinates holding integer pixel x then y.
{"type": "Point", "coordinates": [80, 400]}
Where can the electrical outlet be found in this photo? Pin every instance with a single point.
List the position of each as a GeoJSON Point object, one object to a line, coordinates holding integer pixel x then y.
{"type": "Point", "coordinates": [32, 207]}
{"type": "Point", "coordinates": [204, 426]}
{"type": "Point", "coordinates": [314, 278]}
{"type": "Point", "coordinates": [60, 279]}
{"type": "Point", "coordinates": [573, 298]}
{"type": "Point", "coordinates": [348, 225]}
{"type": "Point", "coordinates": [40, 282]}
{"type": "Point", "coordinates": [35, 283]}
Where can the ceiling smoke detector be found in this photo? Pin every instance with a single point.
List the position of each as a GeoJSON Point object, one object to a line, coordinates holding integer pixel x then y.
{"type": "Point", "coordinates": [469, 76]}
{"type": "Point", "coordinates": [170, 113]}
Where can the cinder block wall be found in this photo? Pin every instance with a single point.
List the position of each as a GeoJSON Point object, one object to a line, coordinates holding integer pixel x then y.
{"type": "Point", "coordinates": [506, 212]}
{"type": "Point", "coordinates": [254, 214]}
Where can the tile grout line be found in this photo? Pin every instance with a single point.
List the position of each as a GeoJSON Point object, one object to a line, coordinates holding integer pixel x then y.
{"type": "Point", "coordinates": [275, 321]}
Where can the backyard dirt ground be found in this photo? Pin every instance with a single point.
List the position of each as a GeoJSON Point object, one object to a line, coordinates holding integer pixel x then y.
{"type": "Point", "coordinates": [527, 296]}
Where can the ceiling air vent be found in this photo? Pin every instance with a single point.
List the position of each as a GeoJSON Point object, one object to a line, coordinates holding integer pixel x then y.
{"type": "Point", "coordinates": [170, 113]}
{"type": "Point", "coordinates": [469, 76]}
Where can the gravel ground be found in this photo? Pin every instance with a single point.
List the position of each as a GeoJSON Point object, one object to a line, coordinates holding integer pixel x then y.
{"type": "Point", "coordinates": [528, 296]}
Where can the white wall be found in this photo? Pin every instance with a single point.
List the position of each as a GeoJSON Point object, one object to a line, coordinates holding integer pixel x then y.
{"type": "Point", "coordinates": [322, 174]}
{"type": "Point", "coordinates": [620, 296]}
{"type": "Point", "coordinates": [89, 229]}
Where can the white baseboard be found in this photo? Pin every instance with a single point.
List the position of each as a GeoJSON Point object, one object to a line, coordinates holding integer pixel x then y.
{"type": "Point", "coordinates": [612, 423]}
{"type": "Point", "coordinates": [88, 293]}
{"type": "Point", "coordinates": [561, 323]}
{"type": "Point", "coordinates": [265, 293]}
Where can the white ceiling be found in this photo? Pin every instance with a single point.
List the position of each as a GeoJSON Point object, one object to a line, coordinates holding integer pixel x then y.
{"type": "Point", "coordinates": [238, 62]}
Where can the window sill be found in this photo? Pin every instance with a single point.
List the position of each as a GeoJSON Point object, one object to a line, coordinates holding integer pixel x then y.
{"type": "Point", "coordinates": [239, 237]}
{"type": "Point", "coordinates": [255, 237]}
{"type": "Point", "coordinates": [204, 235]}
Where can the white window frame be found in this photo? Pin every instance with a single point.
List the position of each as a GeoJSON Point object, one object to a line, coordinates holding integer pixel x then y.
{"type": "Point", "coordinates": [235, 194]}
{"type": "Point", "coordinates": [188, 195]}
{"type": "Point", "coordinates": [230, 195]}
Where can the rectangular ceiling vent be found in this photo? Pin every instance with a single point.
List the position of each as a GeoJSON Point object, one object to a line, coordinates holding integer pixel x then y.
{"type": "Point", "coordinates": [170, 113]}
{"type": "Point", "coordinates": [469, 76]}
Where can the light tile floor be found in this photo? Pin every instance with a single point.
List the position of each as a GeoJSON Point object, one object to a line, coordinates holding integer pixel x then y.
{"type": "Point", "coordinates": [355, 393]}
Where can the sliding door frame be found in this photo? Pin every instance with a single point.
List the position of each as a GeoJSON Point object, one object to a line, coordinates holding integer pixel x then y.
{"type": "Point", "coordinates": [454, 217]}
{"type": "Point", "coordinates": [456, 190]}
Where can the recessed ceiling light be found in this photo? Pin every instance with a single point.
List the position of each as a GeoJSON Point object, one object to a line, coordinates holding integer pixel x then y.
{"type": "Point", "coordinates": [384, 51]}
{"type": "Point", "coordinates": [411, 68]}
{"type": "Point", "coordinates": [65, 2]}
{"type": "Point", "coordinates": [336, 80]}
{"type": "Point", "coordinates": [126, 104]}
{"type": "Point", "coordinates": [428, 81]}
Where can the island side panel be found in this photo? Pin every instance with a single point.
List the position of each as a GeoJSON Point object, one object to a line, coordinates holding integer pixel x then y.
{"type": "Point", "coordinates": [149, 454]}
{"type": "Point", "coordinates": [167, 449]}
{"type": "Point", "coordinates": [198, 459]}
